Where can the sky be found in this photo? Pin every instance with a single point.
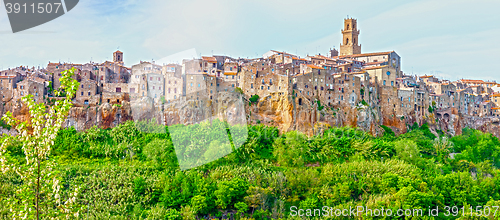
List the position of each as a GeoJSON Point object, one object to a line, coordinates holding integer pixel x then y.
{"type": "Point", "coordinates": [450, 39]}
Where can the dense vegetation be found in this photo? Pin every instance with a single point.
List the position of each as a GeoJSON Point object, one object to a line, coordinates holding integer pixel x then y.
{"type": "Point", "coordinates": [132, 172]}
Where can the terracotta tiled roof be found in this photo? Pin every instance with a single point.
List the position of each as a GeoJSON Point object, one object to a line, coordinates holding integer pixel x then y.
{"type": "Point", "coordinates": [38, 80]}
{"type": "Point", "coordinates": [375, 67]}
{"type": "Point", "coordinates": [366, 54]}
{"type": "Point", "coordinates": [496, 95]}
{"type": "Point", "coordinates": [314, 66]}
{"type": "Point", "coordinates": [471, 81]}
{"type": "Point", "coordinates": [357, 72]}
{"type": "Point", "coordinates": [210, 59]}
{"type": "Point", "coordinates": [426, 76]}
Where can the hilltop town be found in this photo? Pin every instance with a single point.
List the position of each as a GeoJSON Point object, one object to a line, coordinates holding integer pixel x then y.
{"type": "Point", "coordinates": [343, 88]}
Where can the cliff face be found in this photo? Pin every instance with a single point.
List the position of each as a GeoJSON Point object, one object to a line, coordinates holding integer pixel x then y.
{"type": "Point", "coordinates": [283, 112]}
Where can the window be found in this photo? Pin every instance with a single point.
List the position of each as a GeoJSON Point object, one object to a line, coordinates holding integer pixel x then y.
{"type": "Point", "coordinates": [89, 93]}
{"type": "Point", "coordinates": [199, 85]}
{"type": "Point", "coordinates": [392, 83]}
{"type": "Point", "coordinates": [384, 82]}
{"type": "Point", "coordinates": [168, 90]}
{"type": "Point", "coordinates": [251, 86]}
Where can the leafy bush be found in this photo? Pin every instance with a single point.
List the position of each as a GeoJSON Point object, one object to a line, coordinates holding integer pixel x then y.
{"type": "Point", "coordinates": [254, 98]}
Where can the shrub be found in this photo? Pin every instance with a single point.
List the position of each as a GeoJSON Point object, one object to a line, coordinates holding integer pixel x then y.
{"type": "Point", "coordinates": [254, 98]}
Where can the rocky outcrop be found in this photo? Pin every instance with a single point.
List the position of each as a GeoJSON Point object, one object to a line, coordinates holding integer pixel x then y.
{"type": "Point", "coordinates": [284, 112]}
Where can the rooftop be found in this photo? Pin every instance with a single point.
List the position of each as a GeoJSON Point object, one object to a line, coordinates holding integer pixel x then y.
{"type": "Point", "coordinates": [366, 54]}
{"type": "Point", "coordinates": [210, 59]}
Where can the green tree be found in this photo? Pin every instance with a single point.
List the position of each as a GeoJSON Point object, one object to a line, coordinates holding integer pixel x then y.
{"type": "Point", "coordinates": [407, 151]}
{"type": "Point", "coordinates": [254, 98]}
{"type": "Point", "coordinates": [39, 194]}
{"type": "Point", "coordinates": [231, 191]}
{"type": "Point", "coordinates": [442, 148]}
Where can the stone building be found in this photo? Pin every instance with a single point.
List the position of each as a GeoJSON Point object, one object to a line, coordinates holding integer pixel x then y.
{"type": "Point", "coordinates": [209, 65]}
{"type": "Point", "coordinates": [495, 99]}
{"type": "Point", "coordinates": [495, 111]}
{"type": "Point", "coordinates": [111, 72]}
{"type": "Point", "coordinates": [407, 101]}
{"type": "Point", "coordinates": [343, 89]}
{"type": "Point", "coordinates": [156, 86]}
{"type": "Point", "coordinates": [56, 70]}
{"type": "Point", "coordinates": [383, 75]}
{"type": "Point", "coordinates": [138, 89]}
{"type": "Point", "coordinates": [229, 79]}
{"type": "Point", "coordinates": [87, 94]}
{"type": "Point", "coordinates": [264, 79]}
{"type": "Point", "coordinates": [32, 86]}
{"type": "Point", "coordinates": [390, 59]}
{"type": "Point", "coordinates": [8, 82]}
{"type": "Point", "coordinates": [144, 68]}
{"type": "Point", "coordinates": [427, 79]}
{"type": "Point", "coordinates": [174, 82]}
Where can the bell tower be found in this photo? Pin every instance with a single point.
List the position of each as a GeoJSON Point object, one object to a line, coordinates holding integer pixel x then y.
{"type": "Point", "coordinates": [350, 33]}
{"type": "Point", "coordinates": [118, 57]}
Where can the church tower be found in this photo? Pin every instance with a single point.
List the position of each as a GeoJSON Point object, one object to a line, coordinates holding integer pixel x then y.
{"type": "Point", "coordinates": [118, 57]}
{"type": "Point", "coordinates": [350, 33]}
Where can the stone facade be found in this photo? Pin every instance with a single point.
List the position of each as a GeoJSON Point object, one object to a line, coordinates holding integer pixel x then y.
{"type": "Point", "coordinates": [350, 38]}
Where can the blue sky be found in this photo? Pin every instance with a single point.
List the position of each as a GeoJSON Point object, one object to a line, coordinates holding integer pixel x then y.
{"type": "Point", "coordinates": [451, 39]}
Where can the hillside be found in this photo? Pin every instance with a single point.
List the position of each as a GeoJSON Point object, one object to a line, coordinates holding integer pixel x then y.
{"type": "Point", "coordinates": [124, 173]}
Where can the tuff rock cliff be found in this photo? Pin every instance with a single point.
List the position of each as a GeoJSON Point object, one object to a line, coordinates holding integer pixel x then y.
{"type": "Point", "coordinates": [279, 111]}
